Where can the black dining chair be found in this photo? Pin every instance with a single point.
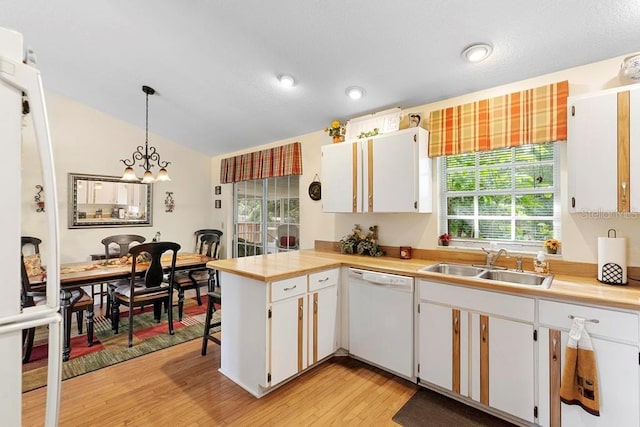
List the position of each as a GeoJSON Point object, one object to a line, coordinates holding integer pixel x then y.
{"type": "Point", "coordinates": [122, 243]}
{"type": "Point", "coordinates": [214, 254]}
{"type": "Point", "coordinates": [30, 297]}
{"type": "Point", "coordinates": [25, 241]}
{"type": "Point", "coordinates": [151, 288]}
{"type": "Point", "coordinates": [213, 297]}
{"type": "Point", "coordinates": [206, 244]}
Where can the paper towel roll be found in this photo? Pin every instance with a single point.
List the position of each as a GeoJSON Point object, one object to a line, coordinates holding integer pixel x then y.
{"type": "Point", "coordinates": [612, 260]}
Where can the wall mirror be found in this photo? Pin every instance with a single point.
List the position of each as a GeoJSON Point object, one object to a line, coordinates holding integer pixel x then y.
{"type": "Point", "coordinates": [107, 201]}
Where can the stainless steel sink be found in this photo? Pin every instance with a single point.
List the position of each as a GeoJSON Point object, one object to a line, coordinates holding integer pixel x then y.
{"type": "Point", "coordinates": [492, 273]}
{"type": "Point", "coordinates": [518, 278]}
{"type": "Point", "coordinates": [454, 269]}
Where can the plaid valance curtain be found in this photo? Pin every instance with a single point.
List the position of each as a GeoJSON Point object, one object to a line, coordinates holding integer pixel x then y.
{"type": "Point", "coordinates": [273, 162]}
{"type": "Point", "coordinates": [528, 117]}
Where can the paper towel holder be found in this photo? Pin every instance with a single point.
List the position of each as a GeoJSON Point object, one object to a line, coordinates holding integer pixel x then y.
{"type": "Point", "coordinates": [611, 271]}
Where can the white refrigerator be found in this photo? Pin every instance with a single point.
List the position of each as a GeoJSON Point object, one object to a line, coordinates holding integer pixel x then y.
{"type": "Point", "coordinates": [17, 78]}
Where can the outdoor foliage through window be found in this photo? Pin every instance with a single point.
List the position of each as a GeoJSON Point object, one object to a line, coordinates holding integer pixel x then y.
{"type": "Point", "coordinates": [503, 194]}
{"type": "Point", "coordinates": [260, 207]}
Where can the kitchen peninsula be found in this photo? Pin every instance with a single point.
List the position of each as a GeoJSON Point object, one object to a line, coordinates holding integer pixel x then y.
{"type": "Point", "coordinates": [271, 333]}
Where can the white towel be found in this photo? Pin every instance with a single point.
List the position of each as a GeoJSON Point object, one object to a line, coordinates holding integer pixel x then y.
{"type": "Point", "coordinates": [579, 384]}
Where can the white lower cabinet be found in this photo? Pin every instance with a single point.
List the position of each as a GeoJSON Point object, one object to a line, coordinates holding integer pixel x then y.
{"type": "Point", "coordinates": [614, 335]}
{"type": "Point", "coordinates": [506, 380]}
{"type": "Point", "coordinates": [443, 347]}
{"type": "Point", "coordinates": [323, 327]}
{"type": "Point", "coordinates": [478, 344]}
{"type": "Point", "coordinates": [277, 329]}
{"type": "Point", "coordinates": [288, 331]}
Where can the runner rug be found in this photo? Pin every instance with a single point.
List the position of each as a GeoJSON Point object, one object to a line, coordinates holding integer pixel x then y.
{"type": "Point", "coordinates": [109, 348]}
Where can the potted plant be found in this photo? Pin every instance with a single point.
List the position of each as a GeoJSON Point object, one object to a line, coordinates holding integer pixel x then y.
{"type": "Point", "coordinates": [444, 239]}
{"type": "Point", "coordinates": [360, 243]}
{"type": "Point", "coordinates": [337, 131]}
{"type": "Point", "coordinates": [552, 245]}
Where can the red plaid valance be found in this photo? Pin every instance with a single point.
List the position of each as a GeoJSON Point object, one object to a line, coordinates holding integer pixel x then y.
{"type": "Point", "coordinates": [273, 162]}
{"type": "Point", "coordinates": [528, 117]}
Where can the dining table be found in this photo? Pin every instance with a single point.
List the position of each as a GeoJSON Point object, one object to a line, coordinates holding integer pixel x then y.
{"type": "Point", "coordinates": [76, 275]}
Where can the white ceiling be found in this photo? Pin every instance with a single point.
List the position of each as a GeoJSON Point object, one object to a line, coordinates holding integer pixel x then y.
{"type": "Point", "coordinates": [214, 63]}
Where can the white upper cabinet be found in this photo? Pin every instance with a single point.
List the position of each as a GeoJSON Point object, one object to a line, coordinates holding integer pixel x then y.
{"type": "Point", "coordinates": [342, 177]}
{"type": "Point", "coordinates": [603, 134]}
{"type": "Point", "coordinates": [397, 172]}
{"type": "Point", "coordinates": [387, 173]}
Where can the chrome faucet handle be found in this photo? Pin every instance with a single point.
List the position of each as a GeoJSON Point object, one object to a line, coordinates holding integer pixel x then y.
{"type": "Point", "coordinates": [488, 258]}
{"type": "Point", "coordinates": [519, 263]}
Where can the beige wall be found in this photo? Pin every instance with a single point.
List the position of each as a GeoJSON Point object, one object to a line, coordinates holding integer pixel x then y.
{"type": "Point", "coordinates": [88, 141]}
{"type": "Point", "coordinates": [579, 235]}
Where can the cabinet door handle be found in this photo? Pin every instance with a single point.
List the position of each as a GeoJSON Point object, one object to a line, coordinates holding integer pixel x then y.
{"type": "Point", "coordinates": [624, 190]}
{"type": "Point", "coordinates": [291, 288]}
{"type": "Point", "coordinates": [315, 306]}
{"type": "Point", "coordinates": [484, 332]}
{"type": "Point", "coordinates": [323, 280]}
{"type": "Point", "coordinates": [571, 316]}
{"type": "Point", "coordinates": [300, 311]}
{"type": "Point", "coordinates": [555, 350]}
{"type": "Point", "coordinates": [455, 326]}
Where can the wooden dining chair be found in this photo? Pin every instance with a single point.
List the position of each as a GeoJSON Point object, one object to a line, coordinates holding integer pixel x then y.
{"type": "Point", "coordinates": [123, 242]}
{"type": "Point", "coordinates": [80, 301]}
{"type": "Point", "coordinates": [25, 241]}
{"type": "Point", "coordinates": [206, 244]}
{"type": "Point", "coordinates": [30, 250]}
{"type": "Point", "coordinates": [215, 255]}
{"type": "Point", "coordinates": [149, 289]}
{"type": "Point", "coordinates": [213, 297]}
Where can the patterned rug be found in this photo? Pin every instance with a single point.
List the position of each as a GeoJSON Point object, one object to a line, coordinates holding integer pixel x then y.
{"type": "Point", "coordinates": [109, 348]}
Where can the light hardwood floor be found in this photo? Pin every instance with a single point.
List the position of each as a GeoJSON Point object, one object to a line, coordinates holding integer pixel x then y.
{"type": "Point", "coordinates": [179, 387]}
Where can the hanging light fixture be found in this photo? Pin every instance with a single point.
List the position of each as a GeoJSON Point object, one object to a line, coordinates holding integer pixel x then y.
{"type": "Point", "coordinates": [147, 155]}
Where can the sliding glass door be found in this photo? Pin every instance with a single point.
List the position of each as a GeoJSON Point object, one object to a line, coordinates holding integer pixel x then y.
{"type": "Point", "coordinates": [266, 216]}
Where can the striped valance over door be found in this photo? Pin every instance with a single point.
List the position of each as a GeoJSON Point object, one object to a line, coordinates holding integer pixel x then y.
{"type": "Point", "coordinates": [270, 163]}
{"type": "Point", "coordinates": [528, 117]}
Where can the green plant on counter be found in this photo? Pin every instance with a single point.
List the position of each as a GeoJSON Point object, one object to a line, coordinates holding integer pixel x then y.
{"type": "Point", "coordinates": [362, 244]}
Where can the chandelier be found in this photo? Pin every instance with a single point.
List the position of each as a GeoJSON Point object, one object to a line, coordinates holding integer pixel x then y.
{"type": "Point", "coordinates": [147, 155]}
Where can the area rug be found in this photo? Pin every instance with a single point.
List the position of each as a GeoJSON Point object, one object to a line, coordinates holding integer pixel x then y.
{"type": "Point", "coordinates": [427, 407]}
{"type": "Point", "coordinates": [109, 348]}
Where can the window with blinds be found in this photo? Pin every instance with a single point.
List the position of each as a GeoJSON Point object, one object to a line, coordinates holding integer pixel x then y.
{"type": "Point", "coordinates": [507, 194]}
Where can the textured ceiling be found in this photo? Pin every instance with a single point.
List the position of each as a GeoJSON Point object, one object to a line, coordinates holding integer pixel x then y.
{"type": "Point", "coordinates": [214, 63]}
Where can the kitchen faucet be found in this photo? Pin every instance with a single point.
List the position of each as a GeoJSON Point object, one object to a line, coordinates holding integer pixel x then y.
{"type": "Point", "coordinates": [490, 260]}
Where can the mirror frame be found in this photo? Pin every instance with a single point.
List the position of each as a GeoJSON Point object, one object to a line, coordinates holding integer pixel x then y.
{"type": "Point", "coordinates": [74, 222]}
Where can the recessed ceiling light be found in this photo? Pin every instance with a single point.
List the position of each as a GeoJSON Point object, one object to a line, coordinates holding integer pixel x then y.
{"type": "Point", "coordinates": [354, 92]}
{"type": "Point", "coordinates": [477, 52]}
{"type": "Point", "coordinates": [286, 80]}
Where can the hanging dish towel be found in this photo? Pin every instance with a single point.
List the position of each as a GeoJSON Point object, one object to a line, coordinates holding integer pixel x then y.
{"type": "Point", "coordinates": [579, 384]}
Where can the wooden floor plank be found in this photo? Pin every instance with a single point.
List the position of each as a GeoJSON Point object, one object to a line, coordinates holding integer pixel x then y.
{"type": "Point", "coordinates": [178, 387]}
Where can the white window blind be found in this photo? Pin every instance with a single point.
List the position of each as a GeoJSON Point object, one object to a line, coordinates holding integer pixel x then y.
{"type": "Point", "coordinates": [508, 195]}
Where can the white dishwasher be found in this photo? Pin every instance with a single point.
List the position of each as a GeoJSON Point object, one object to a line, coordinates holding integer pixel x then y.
{"type": "Point", "coordinates": [381, 320]}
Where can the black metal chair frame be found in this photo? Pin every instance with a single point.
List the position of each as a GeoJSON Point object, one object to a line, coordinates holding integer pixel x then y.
{"type": "Point", "coordinates": [151, 288]}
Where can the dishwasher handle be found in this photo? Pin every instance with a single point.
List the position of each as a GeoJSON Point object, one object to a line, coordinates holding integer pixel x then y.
{"type": "Point", "coordinates": [382, 279]}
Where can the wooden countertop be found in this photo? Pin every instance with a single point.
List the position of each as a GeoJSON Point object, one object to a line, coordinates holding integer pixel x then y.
{"type": "Point", "coordinates": [288, 264]}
